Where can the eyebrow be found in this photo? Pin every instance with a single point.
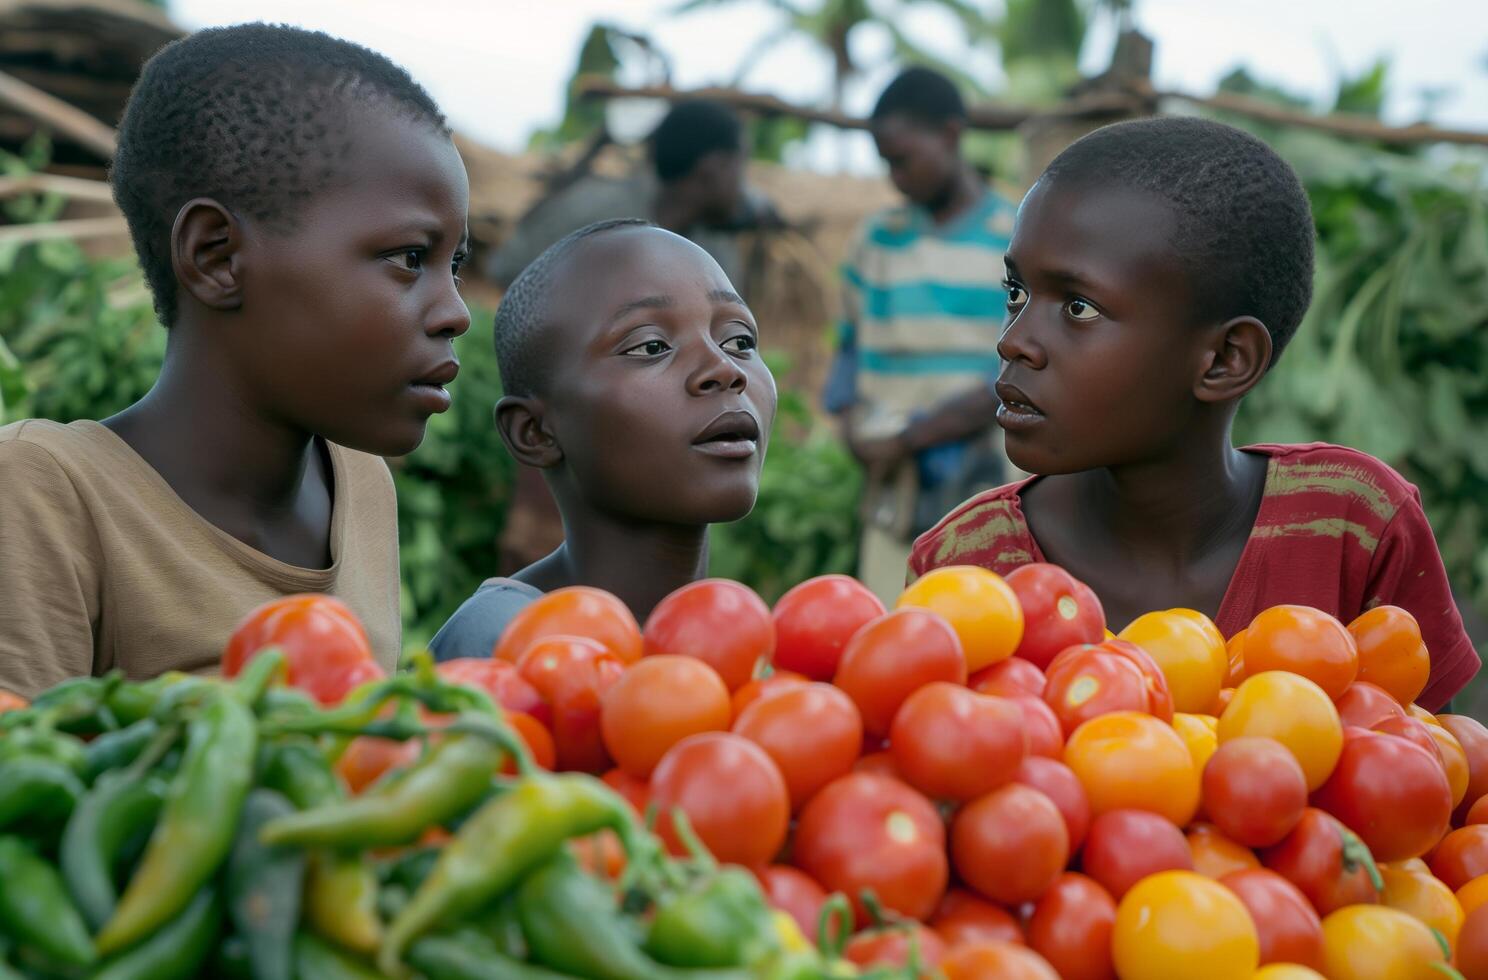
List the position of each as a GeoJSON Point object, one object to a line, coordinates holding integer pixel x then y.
{"type": "Point", "coordinates": [660, 302]}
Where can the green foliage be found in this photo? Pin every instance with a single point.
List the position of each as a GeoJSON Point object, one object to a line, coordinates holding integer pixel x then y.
{"type": "Point", "coordinates": [1364, 95]}
{"type": "Point", "coordinates": [805, 521]}
{"type": "Point", "coordinates": [583, 117]}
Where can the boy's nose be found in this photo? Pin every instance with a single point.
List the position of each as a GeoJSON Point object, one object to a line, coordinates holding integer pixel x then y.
{"type": "Point", "coordinates": [450, 317]}
{"type": "Point", "coordinates": [1018, 342]}
{"type": "Point", "coordinates": [718, 371]}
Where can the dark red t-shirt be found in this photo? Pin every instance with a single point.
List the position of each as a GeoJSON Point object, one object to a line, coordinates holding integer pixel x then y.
{"type": "Point", "coordinates": [1337, 530]}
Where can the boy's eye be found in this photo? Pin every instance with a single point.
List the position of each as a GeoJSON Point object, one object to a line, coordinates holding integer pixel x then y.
{"type": "Point", "coordinates": [647, 348]}
{"type": "Point", "coordinates": [411, 259]}
{"type": "Point", "coordinates": [740, 344]}
{"type": "Point", "coordinates": [1079, 309]}
{"type": "Point", "coordinates": [458, 263]}
{"type": "Point", "coordinates": [1016, 294]}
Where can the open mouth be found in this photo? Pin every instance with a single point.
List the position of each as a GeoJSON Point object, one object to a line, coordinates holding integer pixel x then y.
{"type": "Point", "coordinates": [1017, 410]}
{"type": "Point", "coordinates": [733, 435]}
{"type": "Point", "coordinates": [429, 388]}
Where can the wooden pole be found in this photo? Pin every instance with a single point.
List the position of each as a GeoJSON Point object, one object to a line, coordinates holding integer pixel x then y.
{"type": "Point", "coordinates": [75, 229]}
{"type": "Point", "coordinates": [51, 111]}
{"type": "Point", "coordinates": [76, 188]}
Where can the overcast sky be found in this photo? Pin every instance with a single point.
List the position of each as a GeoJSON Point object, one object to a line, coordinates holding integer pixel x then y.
{"type": "Point", "coordinates": [498, 67]}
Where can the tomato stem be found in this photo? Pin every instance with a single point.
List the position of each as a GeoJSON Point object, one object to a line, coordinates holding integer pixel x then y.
{"type": "Point", "coordinates": [1356, 854]}
{"type": "Point", "coordinates": [835, 910]}
{"type": "Point", "coordinates": [1445, 969]}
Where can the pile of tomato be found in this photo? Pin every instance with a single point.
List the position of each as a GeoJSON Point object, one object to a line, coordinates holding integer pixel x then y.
{"type": "Point", "coordinates": [1002, 788]}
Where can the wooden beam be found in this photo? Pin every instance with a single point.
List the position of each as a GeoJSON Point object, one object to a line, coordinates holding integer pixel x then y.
{"type": "Point", "coordinates": [75, 229]}
{"type": "Point", "coordinates": [74, 187]}
{"type": "Point", "coordinates": [51, 111]}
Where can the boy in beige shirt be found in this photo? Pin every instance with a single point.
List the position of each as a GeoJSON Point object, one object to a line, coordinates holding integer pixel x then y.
{"type": "Point", "coordinates": [299, 211]}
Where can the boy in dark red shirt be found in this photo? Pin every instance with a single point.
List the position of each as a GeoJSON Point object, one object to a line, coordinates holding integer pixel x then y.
{"type": "Point", "coordinates": [1157, 270]}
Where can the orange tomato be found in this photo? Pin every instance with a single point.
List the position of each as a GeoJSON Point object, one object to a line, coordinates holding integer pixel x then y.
{"type": "Point", "coordinates": [1294, 711]}
{"type": "Point", "coordinates": [1473, 895]}
{"type": "Point", "coordinates": [1181, 924]}
{"type": "Point", "coordinates": [1215, 855]}
{"type": "Point", "coordinates": [764, 687]}
{"type": "Point", "coordinates": [1130, 760]}
{"type": "Point", "coordinates": [993, 960]}
{"type": "Point", "coordinates": [1304, 641]}
{"type": "Point", "coordinates": [1421, 714]}
{"type": "Point", "coordinates": [1235, 653]}
{"type": "Point", "coordinates": [536, 736]}
{"type": "Point", "coordinates": [1424, 897]}
{"type": "Point", "coordinates": [1286, 971]}
{"type": "Point", "coordinates": [979, 605]}
{"type": "Point", "coordinates": [1461, 856]}
{"type": "Point", "coordinates": [1473, 737]}
{"type": "Point", "coordinates": [11, 702]}
{"type": "Point", "coordinates": [1190, 652]}
{"type": "Point", "coordinates": [1472, 950]}
{"type": "Point", "coordinates": [1226, 695]}
{"type": "Point", "coordinates": [657, 703]}
{"type": "Point", "coordinates": [367, 757]}
{"type": "Point", "coordinates": [1391, 652]}
{"type": "Point", "coordinates": [577, 610]}
{"type": "Point", "coordinates": [1454, 760]}
{"type": "Point", "coordinates": [636, 792]}
{"type": "Point", "coordinates": [1200, 733]}
{"type": "Point", "coordinates": [812, 731]}
{"type": "Point", "coordinates": [601, 853]}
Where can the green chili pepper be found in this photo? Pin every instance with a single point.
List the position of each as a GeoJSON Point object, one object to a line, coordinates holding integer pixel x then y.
{"type": "Point", "coordinates": [231, 962]}
{"type": "Point", "coordinates": [34, 906]}
{"type": "Point", "coordinates": [452, 777]}
{"type": "Point", "coordinates": [118, 809]}
{"type": "Point", "coordinates": [470, 956]}
{"type": "Point", "coordinates": [264, 887]}
{"type": "Point", "coordinates": [115, 750]}
{"type": "Point", "coordinates": [175, 952]}
{"type": "Point", "coordinates": [37, 789]}
{"type": "Point", "coordinates": [572, 925]}
{"type": "Point", "coordinates": [410, 868]}
{"type": "Point", "coordinates": [340, 887]}
{"type": "Point", "coordinates": [43, 742]}
{"type": "Point", "coordinates": [721, 920]}
{"type": "Point", "coordinates": [197, 822]}
{"type": "Point", "coordinates": [315, 960]}
{"type": "Point", "coordinates": [507, 837]}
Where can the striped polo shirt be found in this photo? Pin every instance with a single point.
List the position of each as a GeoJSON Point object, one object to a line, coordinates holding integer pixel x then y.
{"type": "Point", "coordinates": [923, 305]}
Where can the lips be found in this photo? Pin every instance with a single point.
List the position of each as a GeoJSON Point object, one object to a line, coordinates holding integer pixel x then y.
{"type": "Point", "coordinates": [439, 376]}
{"type": "Point", "coordinates": [732, 435]}
{"type": "Point", "coordinates": [1017, 411]}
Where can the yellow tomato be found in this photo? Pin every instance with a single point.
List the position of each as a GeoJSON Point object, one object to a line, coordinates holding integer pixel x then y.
{"type": "Point", "coordinates": [1372, 942]}
{"type": "Point", "coordinates": [1293, 710]}
{"type": "Point", "coordinates": [1473, 895]}
{"type": "Point", "coordinates": [1215, 855]}
{"type": "Point", "coordinates": [1454, 759]}
{"type": "Point", "coordinates": [1181, 924]}
{"type": "Point", "coordinates": [1200, 733]}
{"type": "Point", "coordinates": [979, 605]}
{"type": "Point", "coordinates": [1421, 714]}
{"type": "Point", "coordinates": [1190, 652]}
{"type": "Point", "coordinates": [1128, 759]}
{"type": "Point", "coordinates": [1235, 650]}
{"type": "Point", "coordinates": [1286, 971]}
{"type": "Point", "coordinates": [1424, 897]}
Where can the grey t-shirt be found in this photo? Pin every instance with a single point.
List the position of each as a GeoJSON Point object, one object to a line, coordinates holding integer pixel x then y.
{"type": "Point", "coordinates": [476, 627]}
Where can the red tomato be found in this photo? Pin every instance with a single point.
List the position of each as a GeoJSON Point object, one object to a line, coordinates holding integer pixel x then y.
{"type": "Point", "coordinates": [367, 757]}
{"type": "Point", "coordinates": [1009, 678]}
{"type": "Point", "coordinates": [1461, 856]}
{"type": "Point", "coordinates": [995, 961]}
{"type": "Point", "coordinates": [637, 792]}
{"type": "Point", "coordinates": [1390, 792]}
{"type": "Point", "coordinates": [10, 701]}
{"type": "Point", "coordinates": [795, 893]}
{"type": "Point", "coordinates": [814, 621]}
{"type": "Point", "coordinates": [894, 656]}
{"type": "Point", "coordinates": [1366, 705]}
{"type": "Point", "coordinates": [1472, 945]}
{"type": "Point", "coordinates": [577, 610]}
{"type": "Point", "coordinates": [657, 703]}
{"type": "Point", "coordinates": [573, 675]}
{"type": "Point", "coordinates": [1058, 611]}
{"type": "Point", "coordinates": [966, 917]}
{"type": "Point", "coordinates": [952, 743]}
{"type": "Point", "coordinates": [1214, 854]}
{"type": "Point", "coordinates": [501, 681]}
{"type": "Point", "coordinates": [1059, 783]}
{"type": "Point", "coordinates": [1409, 729]}
{"type": "Point", "coordinates": [1087, 681]}
{"type": "Point", "coordinates": [722, 623]}
{"type": "Point", "coordinates": [1254, 790]}
{"type": "Point", "coordinates": [1041, 727]}
{"type": "Point", "coordinates": [1304, 641]}
{"type": "Point", "coordinates": [538, 739]}
{"type": "Point", "coordinates": [732, 794]}
{"type": "Point", "coordinates": [326, 651]}
{"type": "Point", "coordinates": [1159, 697]}
{"type": "Point", "coordinates": [871, 831]}
{"type": "Point", "coordinates": [1477, 813]}
{"type": "Point", "coordinates": [600, 854]}
{"type": "Point", "coordinates": [1472, 735]}
{"type": "Point", "coordinates": [1009, 845]}
{"type": "Point", "coordinates": [881, 762]}
{"type": "Point", "coordinates": [812, 731]}
{"type": "Point", "coordinates": [1287, 925]}
{"type": "Point", "coordinates": [764, 687]}
{"type": "Point", "coordinates": [1313, 857]}
{"type": "Point", "coordinates": [1071, 928]}
{"type": "Point", "coordinates": [891, 946]}
{"type": "Point", "coordinates": [1125, 846]}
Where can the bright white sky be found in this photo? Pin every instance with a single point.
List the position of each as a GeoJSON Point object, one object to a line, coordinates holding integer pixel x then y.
{"type": "Point", "coordinates": [498, 67]}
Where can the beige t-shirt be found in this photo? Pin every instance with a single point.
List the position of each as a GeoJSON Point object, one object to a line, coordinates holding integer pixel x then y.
{"type": "Point", "coordinates": [103, 566]}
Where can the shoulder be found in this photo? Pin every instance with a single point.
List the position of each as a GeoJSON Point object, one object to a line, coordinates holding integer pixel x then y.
{"type": "Point", "coordinates": [363, 470]}
{"type": "Point", "coordinates": [995, 217]}
{"type": "Point", "coordinates": [888, 227]}
{"type": "Point", "coordinates": [1336, 482]}
{"type": "Point", "coordinates": [37, 452]}
{"type": "Point", "coordinates": [476, 627]}
{"type": "Point", "coordinates": [988, 530]}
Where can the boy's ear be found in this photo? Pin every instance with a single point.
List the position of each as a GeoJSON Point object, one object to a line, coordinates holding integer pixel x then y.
{"type": "Point", "coordinates": [527, 437]}
{"type": "Point", "coordinates": [206, 240]}
{"type": "Point", "coordinates": [1235, 361]}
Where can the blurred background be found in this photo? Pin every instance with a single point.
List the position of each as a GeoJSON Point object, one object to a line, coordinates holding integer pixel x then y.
{"type": "Point", "coordinates": [1382, 110]}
